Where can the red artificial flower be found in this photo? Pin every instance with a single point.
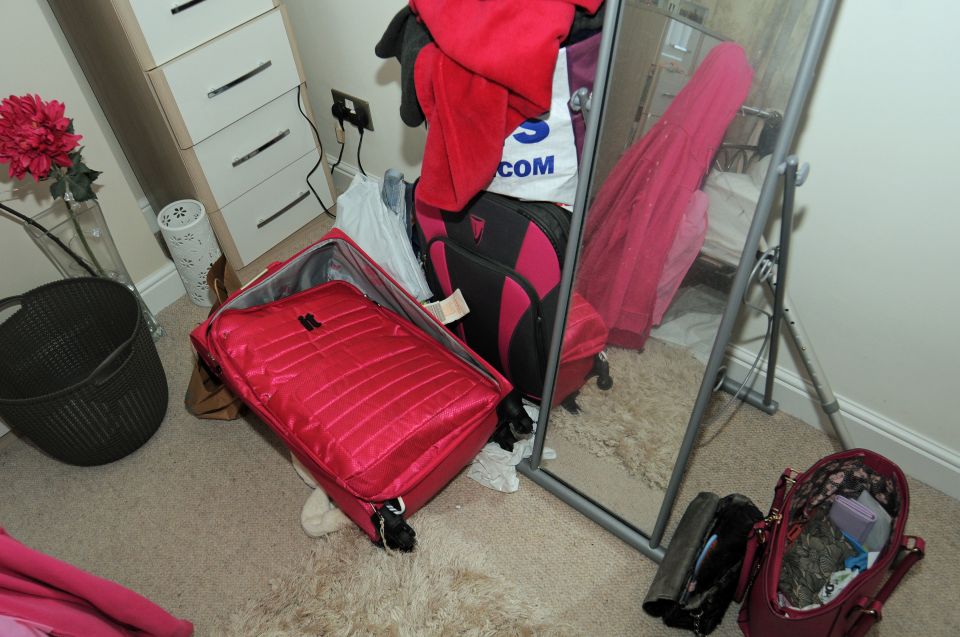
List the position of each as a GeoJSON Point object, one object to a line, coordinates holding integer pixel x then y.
{"type": "Point", "coordinates": [34, 135]}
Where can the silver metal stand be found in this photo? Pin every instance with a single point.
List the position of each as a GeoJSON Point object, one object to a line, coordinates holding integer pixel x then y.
{"type": "Point", "coordinates": [649, 543]}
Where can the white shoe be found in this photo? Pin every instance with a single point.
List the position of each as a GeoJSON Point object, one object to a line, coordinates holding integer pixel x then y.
{"type": "Point", "coordinates": [320, 516]}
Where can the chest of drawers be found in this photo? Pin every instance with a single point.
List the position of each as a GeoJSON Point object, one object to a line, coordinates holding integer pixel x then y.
{"type": "Point", "coordinates": [203, 97]}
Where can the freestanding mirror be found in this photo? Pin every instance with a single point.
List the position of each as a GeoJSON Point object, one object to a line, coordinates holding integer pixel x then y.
{"type": "Point", "coordinates": [695, 104]}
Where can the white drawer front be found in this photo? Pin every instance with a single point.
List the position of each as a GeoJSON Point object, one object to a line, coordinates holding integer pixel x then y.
{"type": "Point", "coordinates": [231, 76]}
{"type": "Point", "coordinates": [249, 151]}
{"type": "Point", "coordinates": [668, 86]}
{"type": "Point", "coordinates": [275, 209]}
{"type": "Point", "coordinates": [173, 27]}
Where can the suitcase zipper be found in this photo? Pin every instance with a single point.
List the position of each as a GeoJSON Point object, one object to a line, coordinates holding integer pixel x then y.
{"type": "Point", "coordinates": [525, 285]}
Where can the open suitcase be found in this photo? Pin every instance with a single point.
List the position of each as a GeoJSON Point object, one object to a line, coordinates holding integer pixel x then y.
{"type": "Point", "coordinates": [377, 399]}
{"type": "Point", "coordinates": [506, 258]}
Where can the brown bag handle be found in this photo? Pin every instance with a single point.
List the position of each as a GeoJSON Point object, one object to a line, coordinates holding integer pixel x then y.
{"type": "Point", "coordinates": [217, 284]}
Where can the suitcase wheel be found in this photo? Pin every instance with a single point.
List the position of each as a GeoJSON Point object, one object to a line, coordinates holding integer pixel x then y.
{"type": "Point", "coordinates": [601, 369]}
{"type": "Point", "coordinates": [395, 533]}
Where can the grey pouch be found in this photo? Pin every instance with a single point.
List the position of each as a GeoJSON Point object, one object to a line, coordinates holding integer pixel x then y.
{"type": "Point", "coordinates": [670, 582]}
{"type": "Point", "coordinates": [880, 533]}
{"type": "Point", "coordinates": [698, 600]}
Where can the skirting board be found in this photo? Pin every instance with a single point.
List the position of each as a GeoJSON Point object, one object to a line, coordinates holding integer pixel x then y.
{"type": "Point", "coordinates": [344, 173]}
{"type": "Point", "coordinates": [161, 288]}
{"type": "Point", "coordinates": [916, 454]}
{"type": "Point", "coordinates": [149, 214]}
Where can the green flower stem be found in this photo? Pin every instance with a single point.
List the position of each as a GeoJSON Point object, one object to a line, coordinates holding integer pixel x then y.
{"type": "Point", "coordinates": [83, 238]}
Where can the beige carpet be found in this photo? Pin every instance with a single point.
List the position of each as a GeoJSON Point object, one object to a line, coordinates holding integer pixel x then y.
{"type": "Point", "coordinates": [204, 516]}
{"type": "Point", "coordinates": [640, 421]}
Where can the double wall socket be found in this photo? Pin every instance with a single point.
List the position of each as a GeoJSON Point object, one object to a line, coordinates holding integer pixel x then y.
{"type": "Point", "coordinates": [354, 108]}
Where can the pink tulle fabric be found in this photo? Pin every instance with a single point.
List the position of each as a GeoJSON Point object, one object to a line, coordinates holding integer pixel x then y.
{"type": "Point", "coordinates": [633, 222]}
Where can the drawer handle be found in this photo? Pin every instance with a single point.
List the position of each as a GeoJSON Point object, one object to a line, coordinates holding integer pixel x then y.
{"type": "Point", "coordinates": [184, 6]}
{"type": "Point", "coordinates": [243, 78]}
{"type": "Point", "coordinates": [303, 195]}
{"type": "Point", "coordinates": [256, 151]}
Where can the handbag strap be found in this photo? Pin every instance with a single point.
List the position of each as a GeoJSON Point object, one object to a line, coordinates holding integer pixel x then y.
{"type": "Point", "coordinates": [871, 611]}
{"type": "Point", "coordinates": [761, 532]}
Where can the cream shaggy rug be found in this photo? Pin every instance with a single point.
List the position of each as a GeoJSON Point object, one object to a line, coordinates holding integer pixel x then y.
{"type": "Point", "coordinates": [641, 420]}
{"type": "Point", "coordinates": [350, 587]}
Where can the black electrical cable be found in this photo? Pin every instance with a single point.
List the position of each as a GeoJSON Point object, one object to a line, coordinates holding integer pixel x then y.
{"type": "Point", "coordinates": [359, 146]}
{"type": "Point", "coordinates": [339, 156]}
{"type": "Point", "coordinates": [319, 159]}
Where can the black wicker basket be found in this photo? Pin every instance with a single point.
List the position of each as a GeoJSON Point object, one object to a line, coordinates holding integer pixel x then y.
{"type": "Point", "coordinates": [79, 374]}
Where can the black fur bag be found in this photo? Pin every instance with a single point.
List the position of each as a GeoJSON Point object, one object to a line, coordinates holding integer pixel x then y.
{"type": "Point", "coordinates": [698, 575]}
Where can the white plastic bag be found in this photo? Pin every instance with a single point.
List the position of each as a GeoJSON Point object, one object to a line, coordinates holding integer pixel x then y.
{"type": "Point", "coordinates": [379, 232]}
{"type": "Point", "coordinates": [496, 468]}
{"type": "Point", "coordinates": [539, 160]}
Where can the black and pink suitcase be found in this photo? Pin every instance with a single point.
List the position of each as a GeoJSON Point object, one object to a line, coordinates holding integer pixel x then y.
{"type": "Point", "coordinates": [506, 258]}
{"type": "Point", "coordinates": [378, 400]}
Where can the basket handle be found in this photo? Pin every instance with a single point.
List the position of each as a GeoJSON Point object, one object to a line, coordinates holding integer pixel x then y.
{"type": "Point", "coordinates": [10, 301]}
{"type": "Point", "coordinates": [100, 376]}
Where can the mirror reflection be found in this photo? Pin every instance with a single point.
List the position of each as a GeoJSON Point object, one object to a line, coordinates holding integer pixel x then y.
{"type": "Point", "coordinates": [692, 111]}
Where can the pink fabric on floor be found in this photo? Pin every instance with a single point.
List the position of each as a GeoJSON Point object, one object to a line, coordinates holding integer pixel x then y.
{"type": "Point", "coordinates": [73, 603]}
{"type": "Point", "coordinates": [686, 246]}
{"type": "Point", "coordinates": [634, 219]}
{"type": "Point", "coordinates": [490, 68]}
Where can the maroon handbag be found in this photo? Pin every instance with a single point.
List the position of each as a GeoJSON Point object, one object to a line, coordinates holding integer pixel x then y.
{"type": "Point", "coordinates": [859, 606]}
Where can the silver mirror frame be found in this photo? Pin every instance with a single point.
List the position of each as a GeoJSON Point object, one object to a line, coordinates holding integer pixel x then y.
{"type": "Point", "coordinates": [650, 543]}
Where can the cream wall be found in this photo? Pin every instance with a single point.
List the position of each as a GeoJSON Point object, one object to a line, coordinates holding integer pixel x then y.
{"type": "Point", "coordinates": [875, 251]}
{"type": "Point", "coordinates": [873, 271]}
{"type": "Point", "coordinates": [37, 59]}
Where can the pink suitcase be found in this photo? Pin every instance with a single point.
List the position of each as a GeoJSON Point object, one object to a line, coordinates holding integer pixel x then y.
{"type": "Point", "coordinates": [380, 402]}
{"type": "Point", "coordinates": [506, 258]}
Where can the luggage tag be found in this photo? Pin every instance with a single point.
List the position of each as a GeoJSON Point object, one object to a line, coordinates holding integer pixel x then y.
{"type": "Point", "coordinates": [449, 309]}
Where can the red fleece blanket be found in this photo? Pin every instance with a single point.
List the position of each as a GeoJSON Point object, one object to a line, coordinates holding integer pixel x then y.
{"type": "Point", "coordinates": [490, 68]}
{"type": "Point", "coordinates": [69, 602]}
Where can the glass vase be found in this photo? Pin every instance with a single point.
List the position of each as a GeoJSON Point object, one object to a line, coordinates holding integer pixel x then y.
{"type": "Point", "coordinates": [82, 228]}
